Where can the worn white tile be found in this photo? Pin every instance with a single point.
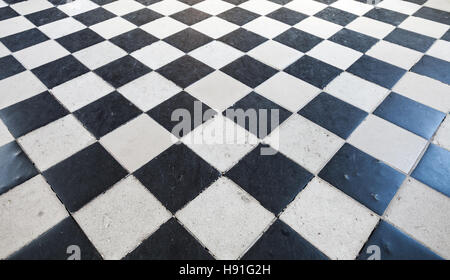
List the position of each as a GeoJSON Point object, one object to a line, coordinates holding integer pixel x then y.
{"type": "Point", "coordinates": [19, 87]}
{"type": "Point", "coordinates": [370, 27]}
{"type": "Point", "coordinates": [215, 27]}
{"type": "Point", "coordinates": [395, 54]}
{"type": "Point", "coordinates": [123, 7]}
{"type": "Point", "coordinates": [5, 136]}
{"type": "Point", "coordinates": [308, 7]}
{"type": "Point", "coordinates": [442, 137]}
{"type": "Point", "coordinates": [40, 54]}
{"type": "Point", "coordinates": [14, 25]}
{"type": "Point", "coordinates": [319, 27]}
{"type": "Point", "coordinates": [99, 54]}
{"type": "Point", "coordinates": [112, 27]}
{"type": "Point", "coordinates": [266, 27]}
{"type": "Point", "coordinates": [262, 7]}
{"type": "Point", "coordinates": [213, 7]}
{"type": "Point", "coordinates": [157, 54]}
{"type": "Point", "coordinates": [440, 49]}
{"type": "Point", "coordinates": [275, 54]}
{"type": "Point", "coordinates": [61, 27]}
{"type": "Point", "coordinates": [424, 26]}
{"type": "Point", "coordinates": [335, 54]}
{"type": "Point", "coordinates": [216, 54]}
{"type": "Point", "coordinates": [163, 27]}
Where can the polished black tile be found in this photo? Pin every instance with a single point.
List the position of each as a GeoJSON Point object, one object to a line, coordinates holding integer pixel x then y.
{"type": "Point", "coordinates": [265, 112]}
{"type": "Point", "coordinates": [122, 71]}
{"type": "Point", "coordinates": [313, 71]}
{"type": "Point", "coordinates": [9, 66]}
{"type": "Point", "coordinates": [274, 180]}
{"type": "Point", "coordinates": [176, 176]}
{"type": "Point", "coordinates": [16, 167]}
{"type": "Point", "coordinates": [395, 245]}
{"type": "Point", "coordinates": [189, 2]}
{"type": "Point", "coordinates": [24, 39]}
{"type": "Point", "coordinates": [411, 115]}
{"type": "Point", "coordinates": [60, 71]}
{"type": "Point", "coordinates": [80, 40]}
{"type": "Point", "coordinates": [434, 169]}
{"type": "Point", "coordinates": [134, 40]}
{"type": "Point", "coordinates": [336, 16]}
{"type": "Point", "coordinates": [103, 2]}
{"type": "Point", "coordinates": [58, 2]}
{"type": "Point", "coordinates": [46, 16]}
{"type": "Point", "coordinates": [362, 177]}
{"type": "Point", "coordinates": [328, 2]}
{"type": "Point", "coordinates": [298, 39]}
{"type": "Point", "coordinates": [434, 68]}
{"type": "Point", "coordinates": [387, 16]}
{"type": "Point", "coordinates": [353, 40]}
{"type": "Point", "coordinates": [106, 114]}
{"type": "Point", "coordinates": [376, 71]}
{"type": "Point", "coordinates": [235, 2]}
{"type": "Point", "coordinates": [433, 14]}
{"type": "Point", "coordinates": [170, 242]}
{"type": "Point", "coordinates": [142, 16]}
{"type": "Point", "coordinates": [83, 176]}
{"type": "Point", "coordinates": [55, 244]}
{"type": "Point", "coordinates": [180, 71]}
{"type": "Point", "coordinates": [94, 16]}
{"type": "Point", "coordinates": [446, 36]}
{"type": "Point", "coordinates": [188, 40]}
{"type": "Point", "coordinates": [410, 39]}
{"type": "Point", "coordinates": [287, 16]}
{"type": "Point", "coordinates": [32, 113]}
{"type": "Point", "coordinates": [243, 39]}
{"type": "Point", "coordinates": [281, 242]}
{"type": "Point", "coordinates": [238, 16]}
{"type": "Point", "coordinates": [190, 16]}
{"type": "Point", "coordinates": [7, 12]}
{"type": "Point", "coordinates": [163, 113]}
{"type": "Point", "coordinates": [420, 2]}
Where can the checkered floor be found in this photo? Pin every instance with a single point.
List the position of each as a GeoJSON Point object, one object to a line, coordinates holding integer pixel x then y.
{"type": "Point", "coordinates": [362, 152]}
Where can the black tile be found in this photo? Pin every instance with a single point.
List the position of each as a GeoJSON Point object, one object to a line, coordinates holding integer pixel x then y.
{"type": "Point", "coordinates": [9, 66]}
{"type": "Point", "coordinates": [55, 244]}
{"type": "Point", "coordinates": [362, 177]}
{"type": "Point", "coordinates": [420, 2]}
{"type": "Point", "coordinates": [238, 16]}
{"type": "Point", "coordinates": [298, 39]}
{"type": "Point", "coordinates": [353, 40]}
{"type": "Point", "coordinates": [147, 2]}
{"type": "Point", "coordinates": [243, 39]}
{"type": "Point", "coordinates": [281, 242]}
{"type": "Point", "coordinates": [434, 169]}
{"type": "Point", "coordinates": [163, 112]}
{"type": "Point", "coordinates": [189, 2]}
{"type": "Point", "coordinates": [249, 71]}
{"type": "Point", "coordinates": [122, 71]}
{"type": "Point", "coordinates": [16, 167]}
{"type": "Point", "coordinates": [106, 114]}
{"type": "Point", "coordinates": [170, 242]}
{"type": "Point", "coordinates": [410, 39]}
{"type": "Point", "coordinates": [274, 180]}
{"type": "Point", "coordinates": [142, 16]}
{"type": "Point", "coordinates": [446, 36]}
{"type": "Point", "coordinates": [336, 16]}
{"type": "Point", "coordinates": [57, 2]}
{"type": "Point", "coordinates": [181, 71]}
{"type": "Point", "coordinates": [433, 14]}
{"type": "Point", "coordinates": [83, 176]}
{"type": "Point", "coordinates": [235, 2]}
{"type": "Point", "coordinates": [60, 71]}
{"type": "Point", "coordinates": [46, 16]}
{"type": "Point", "coordinates": [313, 71]}
{"type": "Point", "coordinates": [190, 16]}
{"type": "Point", "coordinates": [32, 113]}
{"type": "Point", "coordinates": [434, 68]}
{"type": "Point", "coordinates": [287, 16]}
{"type": "Point", "coordinates": [376, 71]}
{"type": "Point", "coordinates": [255, 103]}
{"type": "Point", "coordinates": [188, 40]}
{"type": "Point", "coordinates": [395, 245]}
{"type": "Point", "coordinates": [387, 16]}
{"type": "Point", "coordinates": [7, 12]}
{"type": "Point", "coordinates": [176, 176]}
{"type": "Point", "coordinates": [80, 40]}
{"type": "Point", "coordinates": [333, 114]}
{"type": "Point", "coordinates": [25, 39]}
{"type": "Point", "coordinates": [94, 16]}
{"type": "Point", "coordinates": [134, 40]}
{"type": "Point", "coordinates": [104, 2]}
{"type": "Point", "coordinates": [328, 2]}
{"type": "Point", "coordinates": [411, 115]}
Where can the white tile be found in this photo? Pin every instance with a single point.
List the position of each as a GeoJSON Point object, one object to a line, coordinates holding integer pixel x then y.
{"type": "Point", "coordinates": [424, 26]}
{"type": "Point", "coordinates": [168, 7]}
{"type": "Point", "coordinates": [28, 7]}
{"type": "Point", "coordinates": [61, 27]}
{"type": "Point", "coordinates": [395, 54]}
{"type": "Point", "coordinates": [81, 91]}
{"type": "Point", "coordinates": [3, 4]}
{"type": "Point", "coordinates": [440, 49]}
{"type": "Point", "coordinates": [119, 220]}
{"type": "Point", "coordinates": [275, 54]}
{"type": "Point", "coordinates": [19, 87]}
{"type": "Point", "coordinates": [288, 91]}
{"type": "Point", "coordinates": [356, 91]}
{"type": "Point", "coordinates": [26, 212]}
{"type": "Point", "coordinates": [137, 142]}
{"type": "Point", "coordinates": [4, 50]}
{"type": "Point", "coordinates": [215, 27]}
{"type": "Point", "coordinates": [213, 7]}
{"type": "Point", "coordinates": [400, 6]}
{"type": "Point", "coordinates": [442, 137]}
{"type": "Point", "coordinates": [14, 25]}
{"type": "Point", "coordinates": [40, 54]}
{"type": "Point", "coordinates": [443, 5]}
{"type": "Point", "coordinates": [335, 54]}
{"type": "Point", "coordinates": [218, 90]}
{"type": "Point", "coordinates": [149, 90]}
{"type": "Point", "coordinates": [305, 142]}
{"type": "Point", "coordinates": [157, 54]}
{"type": "Point", "coordinates": [216, 54]}
{"type": "Point", "coordinates": [55, 142]}
{"type": "Point", "coordinates": [221, 142]}
{"type": "Point", "coordinates": [352, 6]}
{"type": "Point", "coordinates": [388, 142]}
{"type": "Point", "coordinates": [163, 27]}
{"type": "Point", "coordinates": [308, 7]}
{"type": "Point", "coordinates": [123, 7]}
{"type": "Point", "coordinates": [370, 27]}
{"type": "Point", "coordinates": [232, 222]}
{"type": "Point", "coordinates": [423, 213]}
{"type": "Point", "coordinates": [112, 27]}
{"type": "Point", "coordinates": [266, 27]}
{"type": "Point", "coordinates": [77, 7]}
{"type": "Point", "coordinates": [318, 27]}
{"type": "Point", "coordinates": [262, 7]}
{"type": "Point", "coordinates": [99, 54]}
{"type": "Point", "coordinates": [332, 221]}
{"type": "Point", "coordinates": [5, 136]}
{"type": "Point", "coordinates": [413, 86]}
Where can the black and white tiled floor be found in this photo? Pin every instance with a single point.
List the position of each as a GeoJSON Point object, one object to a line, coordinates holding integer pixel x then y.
{"type": "Point", "coordinates": [87, 158]}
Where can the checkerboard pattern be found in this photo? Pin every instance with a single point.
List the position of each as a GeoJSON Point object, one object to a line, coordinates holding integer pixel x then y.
{"type": "Point", "coordinates": [87, 89]}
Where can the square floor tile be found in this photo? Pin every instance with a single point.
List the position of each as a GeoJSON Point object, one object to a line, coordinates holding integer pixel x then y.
{"type": "Point", "coordinates": [335, 54]}
{"type": "Point", "coordinates": [395, 54]}
{"type": "Point", "coordinates": [353, 40]}
{"type": "Point", "coordinates": [99, 54]}
{"type": "Point", "coordinates": [424, 27]}
{"type": "Point", "coordinates": [433, 14]}
{"type": "Point", "coordinates": [385, 15]}
{"type": "Point", "coordinates": [351, 6]}
{"type": "Point", "coordinates": [370, 27]}
{"type": "Point", "coordinates": [234, 219]}
{"type": "Point", "coordinates": [9, 66]}
{"type": "Point", "coordinates": [262, 7]}
{"type": "Point", "coordinates": [94, 16]}
{"type": "Point", "coordinates": [405, 7]}
{"type": "Point", "coordinates": [188, 40]}
{"type": "Point", "coordinates": [275, 54]}
{"type": "Point", "coordinates": [5, 135]}
{"type": "Point", "coordinates": [143, 16]}
{"type": "Point", "coordinates": [19, 87]}
{"type": "Point", "coordinates": [243, 39]}
{"type": "Point", "coordinates": [80, 40]}
{"type": "Point", "coordinates": [190, 16]}
{"type": "Point", "coordinates": [238, 16]}
{"type": "Point", "coordinates": [134, 40]}
{"type": "Point", "coordinates": [7, 12]}
{"type": "Point", "coordinates": [434, 68]}
{"type": "Point", "coordinates": [168, 7]}
{"type": "Point", "coordinates": [442, 136]}
{"type": "Point", "coordinates": [439, 50]}
{"type": "Point", "coordinates": [213, 7]}
{"type": "Point", "coordinates": [215, 27]}
{"type": "Point", "coordinates": [410, 39]}
{"type": "Point", "coordinates": [336, 16]}
{"type": "Point", "coordinates": [40, 54]}
{"type": "Point", "coordinates": [61, 27]}
{"type": "Point", "coordinates": [24, 39]}
{"type": "Point", "coordinates": [27, 7]}
{"type": "Point", "coordinates": [318, 27]}
{"type": "Point", "coordinates": [157, 54]}
{"type": "Point", "coordinates": [216, 54]}
{"type": "Point", "coordinates": [287, 16]}
{"type": "Point", "coordinates": [112, 27]}
{"type": "Point", "coordinates": [298, 39]}
{"type": "Point", "coordinates": [308, 7]}
{"type": "Point", "coordinates": [46, 16]}
{"type": "Point", "coordinates": [123, 7]}
{"type": "Point", "coordinates": [76, 7]}
{"type": "Point", "coordinates": [15, 25]}
{"type": "Point", "coordinates": [163, 27]}
{"type": "Point", "coordinates": [266, 27]}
